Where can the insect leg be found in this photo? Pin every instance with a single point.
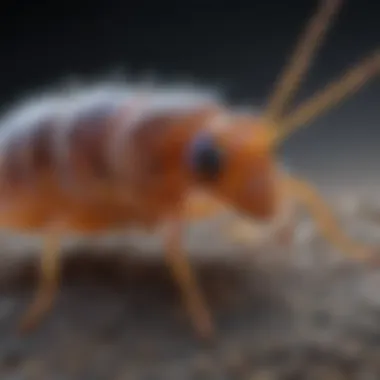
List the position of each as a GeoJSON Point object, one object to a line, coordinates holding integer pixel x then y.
{"type": "Point", "coordinates": [308, 196]}
{"type": "Point", "coordinates": [181, 269]}
{"type": "Point", "coordinates": [48, 284]}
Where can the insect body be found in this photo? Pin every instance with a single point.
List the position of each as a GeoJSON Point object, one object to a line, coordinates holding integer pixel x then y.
{"type": "Point", "coordinates": [91, 169]}
{"type": "Point", "coordinates": [113, 158]}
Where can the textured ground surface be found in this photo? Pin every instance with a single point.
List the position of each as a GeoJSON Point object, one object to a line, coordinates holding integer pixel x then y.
{"type": "Point", "coordinates": [303, 313]}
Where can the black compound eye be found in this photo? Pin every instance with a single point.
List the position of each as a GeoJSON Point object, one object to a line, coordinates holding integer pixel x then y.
{"type": "Point", "coordinates": [206, 158]}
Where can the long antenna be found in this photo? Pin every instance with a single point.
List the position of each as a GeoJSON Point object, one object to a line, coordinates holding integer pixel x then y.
{"type": "Point", "coordinates": [334, 92]}
{"type": "Point", "coordinates": [301, 59]}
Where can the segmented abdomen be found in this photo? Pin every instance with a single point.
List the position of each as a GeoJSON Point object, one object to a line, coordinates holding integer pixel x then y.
{"type": "Point", "coordinates": [67, 147]}
{"type": "Point", "coordinates": [81, 137]}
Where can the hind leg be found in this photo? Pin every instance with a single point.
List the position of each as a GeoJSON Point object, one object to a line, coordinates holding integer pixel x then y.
{"type": "Point", "coordinates": [48, 284]}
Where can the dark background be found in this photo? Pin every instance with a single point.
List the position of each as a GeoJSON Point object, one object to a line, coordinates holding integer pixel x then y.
{"type": "Point", "coordinates": [240, 46]}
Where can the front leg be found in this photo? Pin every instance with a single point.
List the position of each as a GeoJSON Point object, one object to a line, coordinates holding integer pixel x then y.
{"type": "Point", "coordinates": [181, 269]}
{"type": "Point", "coordinates": [309, 197]}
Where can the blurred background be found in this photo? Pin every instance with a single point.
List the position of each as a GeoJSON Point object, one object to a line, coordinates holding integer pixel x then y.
{"type": "Point", "coordinates": [239, 47]}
